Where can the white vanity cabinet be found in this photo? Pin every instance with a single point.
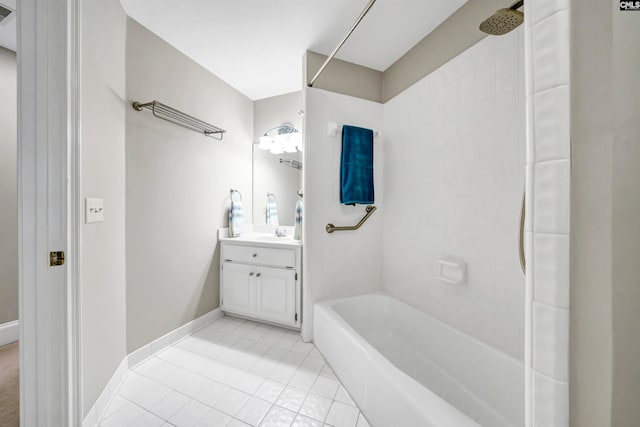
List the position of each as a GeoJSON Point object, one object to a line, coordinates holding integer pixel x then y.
{"type": "Point", "coordinates": [261, 281]}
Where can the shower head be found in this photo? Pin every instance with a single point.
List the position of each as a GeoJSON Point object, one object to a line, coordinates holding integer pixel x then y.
{"type": "Point", "coordinates": [504, 20]}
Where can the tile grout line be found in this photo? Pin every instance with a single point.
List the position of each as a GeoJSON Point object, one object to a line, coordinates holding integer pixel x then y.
{"type": "Point", "coordinates": [306, 356]}
{"type": "Point", "coordinates": [544, 304]}
{"type": "Point", "coordinates": [533, 24]}
{"type": "Point", "coordinates": [549, 89]}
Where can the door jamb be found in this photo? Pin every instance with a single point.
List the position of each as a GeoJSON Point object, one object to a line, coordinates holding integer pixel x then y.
{"type": "Point", "coordinates": [49, 211]}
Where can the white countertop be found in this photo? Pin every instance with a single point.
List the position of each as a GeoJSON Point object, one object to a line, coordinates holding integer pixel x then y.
{"type": "Point", "coordinates": [260, 238]}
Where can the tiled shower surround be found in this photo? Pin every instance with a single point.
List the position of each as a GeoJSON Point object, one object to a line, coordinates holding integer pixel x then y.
{"type": "Point", "coordinates": [454, 168]}
{"type": "Point", "coordinates": [454, 160]}
{"type": "Point", "coordinates": [547, 59]}
{"type": "Point", "coordinates": [545, 330]}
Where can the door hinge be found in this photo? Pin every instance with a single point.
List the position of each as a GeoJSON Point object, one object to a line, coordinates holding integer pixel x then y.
{"type": "Point", "coordinates": [296, 276]}
{"type": "Point", "coordinates": [56, 258]}
{"type": "Point", "coordinates": [295, 318]}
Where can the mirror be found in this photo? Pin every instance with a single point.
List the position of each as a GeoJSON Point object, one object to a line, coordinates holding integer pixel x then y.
{"type": "Point", "coordinates": [278, 174]}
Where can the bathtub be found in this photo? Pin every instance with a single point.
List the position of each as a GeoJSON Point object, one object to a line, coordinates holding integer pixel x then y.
{"type": "Point", "coordinates": [405, 368]}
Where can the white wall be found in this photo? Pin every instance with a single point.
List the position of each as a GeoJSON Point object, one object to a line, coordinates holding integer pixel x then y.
{"type": "Point", "coordinates": [178, 185]}
{"type": "Point", "coordinates": [269, 175]}
{"type": "Point", "coordinates": [103, 175]}
{"type": "Point", "coordinates": [626, 227]}
{"type": "Point", "coordinates": [592, 214]}
{"type": "Point", "coordinates": [8, 187]}
{"type": "Point", "coordinates": [348, 262]}
{"type": "Point", "coordinates": [452, 37]}
{"type": "Point", "coordinates": [454, 176]}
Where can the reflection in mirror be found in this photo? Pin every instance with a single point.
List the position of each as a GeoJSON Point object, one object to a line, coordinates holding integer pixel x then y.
{"type": "Point", "coordinates": [275, 170]}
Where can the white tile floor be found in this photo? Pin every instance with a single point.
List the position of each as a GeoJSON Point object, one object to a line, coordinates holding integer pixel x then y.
{"type": "Point", "coordinates": [234, 373]}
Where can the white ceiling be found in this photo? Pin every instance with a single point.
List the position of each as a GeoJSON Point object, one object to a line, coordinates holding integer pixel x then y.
{"type": "Point", "coordinates": [8, 27]}
{"type": "Point", "coordinates": [257, 45]}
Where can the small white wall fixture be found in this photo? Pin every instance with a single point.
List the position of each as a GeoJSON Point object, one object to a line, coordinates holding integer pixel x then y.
{"type": "Point", "coordinates": [547, 59]}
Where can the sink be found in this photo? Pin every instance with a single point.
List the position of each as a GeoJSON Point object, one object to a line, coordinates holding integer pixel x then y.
{"type": "Point", "coordinates": [267, 238]}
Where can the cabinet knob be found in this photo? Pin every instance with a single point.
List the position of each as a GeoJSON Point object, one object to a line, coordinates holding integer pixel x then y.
{"type": "Point", "coordinates": [258, 275]}
{"type": "Point", "coordinates": [255, 255]}
{"type": "Point", "coordinates": [251, 274]}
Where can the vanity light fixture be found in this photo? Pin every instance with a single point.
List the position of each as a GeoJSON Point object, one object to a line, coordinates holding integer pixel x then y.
{"type": "Point", "coordinates": [281, 139]}
{"type": "Point", "coordinates": [276, 149]}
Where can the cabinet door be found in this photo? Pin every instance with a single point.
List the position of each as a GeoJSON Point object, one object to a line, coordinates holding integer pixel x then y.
{"type": "Point", "coordinates": [276, 295]}
{"type": "Point", "coordinates": [238, 288]}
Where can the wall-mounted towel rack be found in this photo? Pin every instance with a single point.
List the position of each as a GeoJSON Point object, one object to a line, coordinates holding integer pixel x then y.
{"type": "Point", "coordinates": [172, 115]}
{"type": "Point", "coordinates": [293, 163]}
{"type": "Point", "coordinates": [369, 210]}
{"type": "Point", "coordinates": [334, 129]}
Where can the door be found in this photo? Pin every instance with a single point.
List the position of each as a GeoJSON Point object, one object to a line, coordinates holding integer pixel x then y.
{"type": "Point", "coordinates": [238, 293]}
{"type": "Point", "coordinates": [276, 294]}
{"type": "Point", "coordinates": [49, 211]}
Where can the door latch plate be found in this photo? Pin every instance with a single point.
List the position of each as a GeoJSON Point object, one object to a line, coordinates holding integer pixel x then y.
{"type": "Point", "coordinates": [56, 258]}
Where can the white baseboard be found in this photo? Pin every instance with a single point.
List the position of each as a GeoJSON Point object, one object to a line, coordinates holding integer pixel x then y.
{"type": "Point", "coordinates": [140, 355]}
{"type": "Point", "coordinates": [159, 344]}
{"type": "Point", "coordinates": [9, 332]}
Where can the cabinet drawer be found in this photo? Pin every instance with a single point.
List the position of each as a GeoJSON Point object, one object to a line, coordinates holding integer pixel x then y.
{"type": "Point", "coordinates": [260, 256]}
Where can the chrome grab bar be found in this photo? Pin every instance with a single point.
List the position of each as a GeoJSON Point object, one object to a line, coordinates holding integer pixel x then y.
{"type": "Point", "coordinates": [523, 260]}
{"type": "Point", "coordinates": [369, 210]}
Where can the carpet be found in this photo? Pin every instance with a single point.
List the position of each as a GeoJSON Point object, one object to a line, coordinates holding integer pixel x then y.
{"type": "Point", "coordinates": [9, 386]}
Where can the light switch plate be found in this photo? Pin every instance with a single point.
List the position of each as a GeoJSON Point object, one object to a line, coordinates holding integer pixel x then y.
{"type": "Point", "coordinates": [94, 210]}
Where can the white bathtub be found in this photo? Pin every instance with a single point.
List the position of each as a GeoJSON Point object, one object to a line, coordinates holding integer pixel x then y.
{"type": "Point", "coordinates": [405, 368]}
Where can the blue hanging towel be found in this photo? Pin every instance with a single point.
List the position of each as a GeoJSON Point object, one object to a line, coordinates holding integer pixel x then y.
{"type": "Point", "coordinates": [356, 166]}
